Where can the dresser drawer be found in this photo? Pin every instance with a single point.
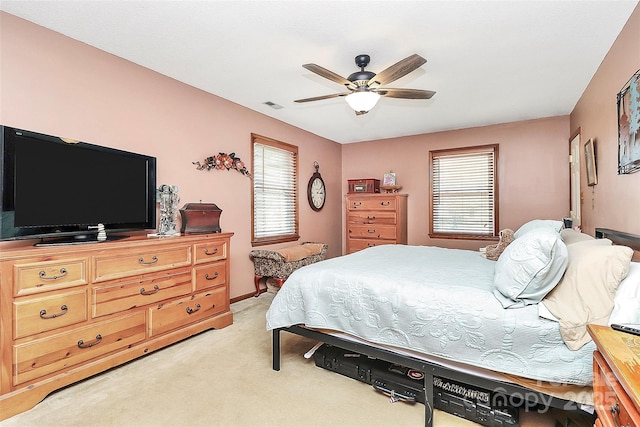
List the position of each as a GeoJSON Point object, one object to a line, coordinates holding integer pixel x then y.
{"type": "Point", "coordinates": [210, 275]}
{"type": "Point", "coordinates": [175, 314]}
{"type": "Point", "coordinates": [372, 203]}
{"type": "Point", "coordinates": [210, 251]}
{"type": "Point", "coordinates": [43, 276]}
{"type": "Point", "coordinates": [355, 245]}
{"type": "Point", "coordinates": [372, 217]}
{"type": "Point", "coordinates": [130, 263]}
{"type": "Point", "coordinates": [372, 231]}
{"type": "Point", "coordinates": [612, 403]}
{"type": "Point", "coordinates": [122, 295]}
{"type": "Point", "coordinates": [40, 314]}
{"type": "Point", "coordinates": [47, 355]}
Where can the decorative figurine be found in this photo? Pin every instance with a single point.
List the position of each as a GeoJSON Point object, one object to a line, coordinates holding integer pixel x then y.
{"type": "Point", "coordinates": [168, 198]}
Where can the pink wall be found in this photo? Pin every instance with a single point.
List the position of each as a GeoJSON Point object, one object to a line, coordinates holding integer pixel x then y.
{"type": "Point", "coordinates": [55, 85]}
{"type": "Point", "coordinates": [533, 171]}
{"type": "Point", "coordinates": [615, 201]}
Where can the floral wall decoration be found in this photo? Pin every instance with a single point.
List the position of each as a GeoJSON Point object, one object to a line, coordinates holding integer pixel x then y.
{"type": "Point", "coordinates": [223, 161]}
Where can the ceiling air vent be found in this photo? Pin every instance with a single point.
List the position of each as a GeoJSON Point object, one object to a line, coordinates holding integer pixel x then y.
{"type": "Point", "coordinates": [273, 105]}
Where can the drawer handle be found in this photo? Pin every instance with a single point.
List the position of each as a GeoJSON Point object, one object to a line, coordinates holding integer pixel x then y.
{"type": "Point", "coordinates": [43, 274]}
{"type": "Point", "coordinates": [155, 289]}
{"type": "Point", "coordinates": [154, 259]}
{"type": "Point", "coordinates": [371, 218]}
{"type": "Point", "coordinates": [44, 315]}
{"type": "Point", "coordinates": [82, 344]}
{"type": "Point", "coordinates": [385, 203]}
{"type": "Point", "coordinates": [192, 310]}
{"type": "Point", "coordinates": [615, 414]}
{"type": "Point", "coordinates": [356, 204]}
{"type": "Point", "coordinates": [215, 276]}
{"type": "Point", "coordinates": [206, 251]}
{"type": "Point", "coordinates": [371, 231]}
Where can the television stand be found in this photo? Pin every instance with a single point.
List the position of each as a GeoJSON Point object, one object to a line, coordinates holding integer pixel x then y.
{"type": "Point", "coordinates": [70, 312]}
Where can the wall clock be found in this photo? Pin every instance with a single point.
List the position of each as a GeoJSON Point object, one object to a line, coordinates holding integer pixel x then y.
{"type": "Point", "coordinates": [316, 191]}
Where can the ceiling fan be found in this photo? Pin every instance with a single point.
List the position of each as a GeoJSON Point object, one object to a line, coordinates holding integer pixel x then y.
{"type": "Point", "coordinates": [365, 87]}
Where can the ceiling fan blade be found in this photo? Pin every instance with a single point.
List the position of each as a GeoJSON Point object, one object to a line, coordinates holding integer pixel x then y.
{"type": "Point", "coordinates": [323, 72]}
{"type": "Point", "coordinates": [318, 98]}
{"type": "Point", "coordinates": [405, 93]}
{"type": "Point", "coordinates": [397, 70]}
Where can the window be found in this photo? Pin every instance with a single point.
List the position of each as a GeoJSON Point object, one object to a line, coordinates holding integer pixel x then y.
{"type": "Point", "coordinates": [275, 191]}
{"type": "Point", "coordinates": [463, 192]}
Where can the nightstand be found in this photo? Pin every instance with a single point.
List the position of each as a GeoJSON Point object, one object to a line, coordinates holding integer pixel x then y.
{"type": "Point", "coordinates": [616, 377]}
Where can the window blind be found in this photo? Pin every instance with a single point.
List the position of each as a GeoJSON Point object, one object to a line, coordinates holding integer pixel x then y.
{"type": "Point", "coordinates": [275, 200]}
{"type": "Point", "coordinates": [463, 191]}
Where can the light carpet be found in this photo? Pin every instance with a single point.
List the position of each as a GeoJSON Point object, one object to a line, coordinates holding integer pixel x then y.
{"type": "Point", "coordinates": [224, 378]}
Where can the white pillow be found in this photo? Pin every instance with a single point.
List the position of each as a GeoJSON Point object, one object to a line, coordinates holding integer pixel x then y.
{"type": "Point", "coordinates": [626, 308]}
{"type": "Point", "coordinates": [529, 268]}
{"type": "Point", "coordinates": [538, 223]}
{"type": "Point", "coordinates": [544, 312]}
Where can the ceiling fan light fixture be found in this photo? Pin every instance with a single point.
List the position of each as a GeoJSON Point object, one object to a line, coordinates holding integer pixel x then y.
{"type": "Point", "coordinates": [362, 101]}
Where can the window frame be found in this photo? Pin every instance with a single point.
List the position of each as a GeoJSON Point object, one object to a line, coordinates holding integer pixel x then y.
{"type": "Point", "coordinates": [478, 149]}
{"type": "Point", "coordinates": [259, 241]}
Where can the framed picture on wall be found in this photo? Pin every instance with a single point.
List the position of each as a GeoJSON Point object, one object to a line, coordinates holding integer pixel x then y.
{"type": "Point", "coordinates": [590, 162]}
{"type": "Point", "coordinates": [628, 126]}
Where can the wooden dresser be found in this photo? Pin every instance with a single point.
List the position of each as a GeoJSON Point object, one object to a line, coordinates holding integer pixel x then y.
{"type": "Point", "coordinates": [616, 377]}
{"type": "Point", "coordinates": [376, 219]}
{"type": "Point", "coordinates": [69, 312]}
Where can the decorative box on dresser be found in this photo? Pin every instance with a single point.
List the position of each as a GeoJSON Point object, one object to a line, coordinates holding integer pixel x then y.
{"type": "Point", "coordinates": [69, 312]}
{"type": "Point", "coordinates": [376, 219]}
{"type": "Point", "coordinates": [616, 377]}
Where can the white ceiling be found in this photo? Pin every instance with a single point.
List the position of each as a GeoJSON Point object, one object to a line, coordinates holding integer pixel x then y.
{"type": "Point", "coordinates": [488, 61]}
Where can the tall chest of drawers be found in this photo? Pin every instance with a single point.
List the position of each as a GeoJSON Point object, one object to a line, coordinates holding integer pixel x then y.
{"type": "Point", "coordinates": [69, 312]}
{"type": "Point", "coordinates": [375, 219]}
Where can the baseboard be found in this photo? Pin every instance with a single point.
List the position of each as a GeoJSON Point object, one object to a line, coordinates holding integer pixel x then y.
{"type": "Point", "coordinates": [242, 297]}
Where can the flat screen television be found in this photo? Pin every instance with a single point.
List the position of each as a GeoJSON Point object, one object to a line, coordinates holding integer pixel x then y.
{"type": "Point", "coordinates": [59, 192]}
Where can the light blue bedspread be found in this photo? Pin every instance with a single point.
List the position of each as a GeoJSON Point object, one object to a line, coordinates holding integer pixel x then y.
{"type": "Point", "coordinates": [431, 300]}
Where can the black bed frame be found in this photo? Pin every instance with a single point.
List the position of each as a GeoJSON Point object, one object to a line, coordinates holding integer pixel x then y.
{"type": "Point", "coordinates": [519, 393]}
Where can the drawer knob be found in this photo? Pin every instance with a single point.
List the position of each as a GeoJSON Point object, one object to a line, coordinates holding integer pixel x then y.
{"type": "Point", "coordinates": [82, 344]}
{"type": "Point", "coordinates": [154, 259]}
{"type": "Point", "coordinates": [44, 315]}
{"type": "Point", "coordinates": [43, 274]}
{"type": "Point", "coordinates": [215, 276]}
{"type": "Point", "coordinates": [206, 251]}
{"type": "Point", "coordinates": [155, 289]}
{"type": "Point", "coordinates": [193, 310]}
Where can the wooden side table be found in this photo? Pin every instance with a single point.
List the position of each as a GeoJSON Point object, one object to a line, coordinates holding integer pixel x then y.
{"type": "Point", "coordinates": [616, 377]}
